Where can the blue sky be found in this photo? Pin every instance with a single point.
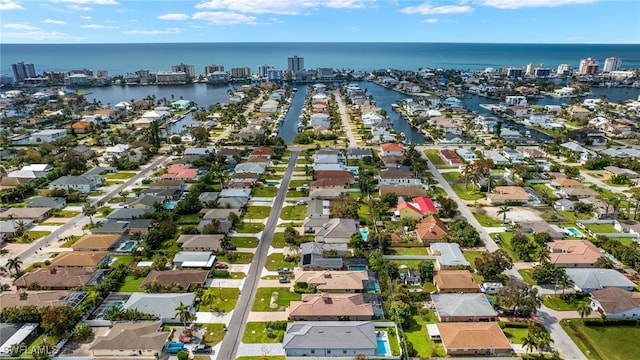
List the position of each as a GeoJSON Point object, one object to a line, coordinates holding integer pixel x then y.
{"type": "Point", "coordinates": [479, 21]}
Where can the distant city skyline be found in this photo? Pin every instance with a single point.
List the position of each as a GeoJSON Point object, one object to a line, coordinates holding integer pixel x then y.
{"type": "Point", "coordinates": [461, 21]}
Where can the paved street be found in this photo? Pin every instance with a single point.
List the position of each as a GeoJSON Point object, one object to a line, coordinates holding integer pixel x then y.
{"type": "Point", "coordinates": [345, 120]}
{"type": "Point", "coordinates": [231, 343]}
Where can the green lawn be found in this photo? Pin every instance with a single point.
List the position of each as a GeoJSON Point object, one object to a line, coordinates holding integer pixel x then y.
{"type": "Point", "coordinates": [213, 334]}
{"type": "Point", "coordinates": [515, 335]}
{"type": "Point", "coordinates": [471, 256]}
{"type": "Point", "coordinates": [601, 228]}
{"type": "Point", "coordinates": [244, 241]}
{"type": "Point", "coordinates": [451, 175]}
{"type": "Point", "coordinates": [263, 298]}
{"type": "Point", "coordinates": [224, 300]}
{"type": "Point", "coordinates": [131, 284]}
{"type": "Point", "coordinates": [66, 213]}
{"type": "Point", "coordinates": [265, 191]}
{"type": "Point", "coordinates": [278, 240]}
{"type": "Point", "coordinates": [411, 264]}
{"type": "Point", "coordinates": [257, 212]}
{"type": "Point", "coordinates": [527, 275]}
{"type": "Point", "coordinates": [296, 212]}
{"type": "Point", "coordinates": [434, 157]}
{"type": "Point", "coordinates": [556, 302]}
{"type": "Point", "coordinates": [297, 183]}
{"type": "Point", "coordinates": [233, 257]}
{"type": "Point", "coordinates": [603, 342]}
{"type": "Point", "coordinates": [296, 194]}
{"type": "Point", "coordinates": [409, 251]}
{"type": "Point", "coordinates": [36, 234]}
{"type": "Point", "coordinates": [416, 333]}
{"type": "Point", "coordinates": [120, 175]}
{"type": "Point", "coordinates": [470, 194]}
{"type": "Point", "coordinates": [276, 260]}
{"type": "Point", "coordinates": [364, 213]}
{"type": "Point", "coordinates": [256, 333]}
{"type": "Point", "coordinates": [193, 219]}
{"type": "Point", "coordinates": [505, 244]}
{"type": "Point", "coordinates": [249, 228]}
{"type": "Point", "coordinates": [486, 220]}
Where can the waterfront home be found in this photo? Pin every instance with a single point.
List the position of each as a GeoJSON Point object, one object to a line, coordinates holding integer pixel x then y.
{"type": "Point", "coordinates": [487, 123]}
{"type": "Point", "coordinates": [369, 120]}
{"type": "Point", "coordinates": [451, 158]}
{"type": "Point", "coordinates": [97, 242]}
{"type": "Point", "coordinates": [574, 254]}
{"type": "Point", "coordinates": [455, 281]}
{"type": "Point", "coordinates": [126, 339]}
{"type": "Point", "coordinates": [91, 259]}
{"type": "Point", "coordinates": [334, 281]}
{"type": "Point", "coordinates": [615, 303]}
{"type": "Point", "coordinates": [388, 149]}
{"type": "Point", "coordinates": [446, 125]}
{"type": "Point", "coordinates": [61, 279]}
{"type": "Point", "coordinates": [448, 256]}
{"type": "Point", "coordinates": [416, 208]}
{"type": "Point", "coordinates": [398, 178]}
{"type": "Point", "coordinates": [194, 259]}
{"type": "Point", "coordinates": [312, 256]}
{"type": "Point", "coordinates": [508, 194]}
{"type": "Point", "coordinates": [195, 242]}
{"type": "Point", "coordinates": [577, 112]}
{"type": "Point", "coordinates": [330, 339]}
{"type": "Point", "coordinates": [463, 307]}
{"type": "Point", "coordinates": [184, 279]}
{"type": "Point", "coordinates": [587, 136]}
{"type": "Point", "coordinates": [474, 339]}
{"type": "Point", "coordinates": [589, 280]}
{"type": "Point", "coordinates": [162, 306]}
{"type": "Point", "coordinates": [47, 136]}
{"type": "Point", "coordinates": [331, 307]}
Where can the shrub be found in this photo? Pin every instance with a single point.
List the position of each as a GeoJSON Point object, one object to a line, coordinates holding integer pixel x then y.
{"type": "Point", "coordinates": [83, 332]}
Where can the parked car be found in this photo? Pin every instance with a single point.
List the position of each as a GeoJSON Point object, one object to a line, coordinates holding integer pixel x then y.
{"type": "Point", "coordinates": [284, 279]}
{"type": "Point", "coordinates": [220, 265]}
{"type": "Point", "coordinates": [301, 202]}
{"type": "Point", "coordinates": [285, 271]}
{"type": "Point", "coordinates": [231, 248]}
{"type": "Point", "coordinates": [490, 288]}
{"type": "Point", "coordinates": [291, 188]}
{"type": "Point", "coordinates": [201, 349]}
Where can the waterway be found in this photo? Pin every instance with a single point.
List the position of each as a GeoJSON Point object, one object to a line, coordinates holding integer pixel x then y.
{"type": "Point", "coordinates": [289, 127]}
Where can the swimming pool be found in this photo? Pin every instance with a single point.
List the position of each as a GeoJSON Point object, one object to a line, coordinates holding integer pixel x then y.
{"type": "Point", "coordinates": [118, 304]}
{"type": "Point", "coordinates": [169, 206]}
{"type": "Point", "coordinates": [610, 257]}
{"type": "Point", "coordinates": [358, 267]}
{"type": "Point", "coordinates": [364, 233]}
{"type": "Point", "coordinates": [383, 344]}
{"type": "Point", "coordinates": [127, 246]}
{"type": "Point", "coordinates": [575, 232]}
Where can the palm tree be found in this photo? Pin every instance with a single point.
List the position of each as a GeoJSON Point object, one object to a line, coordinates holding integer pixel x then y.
{"type": "Point", "coordinates": [504, 209]}
{"type": "Point", "coordinates": [543, 339]}
{"type": "Point", "coordinates": [89, 210]}
{"type": "Point", "coordinates": [529, 342]}
{"type": "Point", "coordinates": [208, 298]}
{"type": "Point", "coordinates": [183, 312]}
{"type": "Point", "coordinates": [584, 309]}
{"type": "Point", "coordinates": [542, 255]}
{"type": "Point", "coordinates": [14, 264]}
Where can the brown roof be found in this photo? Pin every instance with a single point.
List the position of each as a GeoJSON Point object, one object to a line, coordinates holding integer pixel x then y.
{"type": "Point", "coordinates": [262, 150]}
{"type": "Point", "coordinates": [573, 252]}
{"type": "Point", "coordinates": [431, 229]}
{"type": "Point", "coordinates": [396, 174]}
{"type": "Point", "coordinates": [451, 156]}
{"type": "Point", "coordinates": [163, 183]}
{"type": "Point", "coordinates": [567, 182]}
{"type": "Point", "coordinates": [579, 191]}
{"type": "Point", "coordinates": [328, 174]}
{"type": "Point", "coordinates": [333, 280]}
{"type": "Point", "coordinates": [132, 336]}
{"type": "Point", "coordinates": [330, 305]}
{"type": "Point", "coordinates": [391, 147]}
{"type": "Point", "coordinates": [412, 191]}
{"type": "Point", "coordinates": [182, 277]}
{"type": "Point", "coordinates": [95, 242]}
{"type": "Point", "coordinates": [63, 278]}
{"type": "Point", "coordinates": [35, 298]}
{"type": "Point", "coordinates": [454, 279]}
{"type": "Point", "coordinates": [473, 335]}
{"type": "Point", "coordinates": [209, 241]}
{"type": "Point", "coordinates": [501, 193]}
{"type": "Point", "coordinates": [79, 125]}
{"type": "Point", "coordinates": [79, 258]}
{"type": "Point", "coordinates": [258, 159]}
{"type": "Point", "coordinates": [614, 300]}
{"type": "Point", "coordinates": [24, 213]}
{"type": "Point", "coordinates": [329, 182]}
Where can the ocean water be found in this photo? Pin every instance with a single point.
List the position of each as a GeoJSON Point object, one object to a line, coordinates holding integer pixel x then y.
{"type": "Point", "coordinates": [120, 59]}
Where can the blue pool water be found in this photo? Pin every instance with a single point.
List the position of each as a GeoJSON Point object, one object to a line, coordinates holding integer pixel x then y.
{"type": "Point", "coordinates": [127, 246]}
{"type": "Point", "coordinates": [610, 257]}
{"type": "Point", "coordinates": [357, 267]}
{"type": "Point", "coordinates": [169, 206]}
{"type": "Point", "coordinates": [364, 233]}
{"type": "Point", "coordinates": [575, 232]}
{"type": "Point", "coordinates": [374, 286]}
{"type": "Point", "coordinates": [118, 304]}
{"type": "Point", "coordinates": [383, 346]}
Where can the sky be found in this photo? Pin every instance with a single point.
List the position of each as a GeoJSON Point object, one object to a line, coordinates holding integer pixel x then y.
{"type": "Point", "coordinates": [461, 21]}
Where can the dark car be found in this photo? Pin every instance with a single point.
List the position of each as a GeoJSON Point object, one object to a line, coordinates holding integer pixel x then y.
{"type": "Point", "coordinates": [231, 248]}
{"type": "Point", "coordinates": [202, 349]}
{"type": "Point", "coordinates": [284, 279]}
{"type": "Point", "coordinates": [221, 266]}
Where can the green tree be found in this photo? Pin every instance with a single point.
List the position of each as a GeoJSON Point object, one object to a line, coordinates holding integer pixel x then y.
{"type": "Point", "coordinates": [89, 210]}
{"type": "Point", "coordinates": [448, 207]}
{"type": "Point", "coordinates": [504, 209]}
{"type": "Point", "coordinates": [463, 233]}
{"type": "Point", "coordinates": [400, 312]}
{"type": "Point", "coordinates": [426, 269]}
{"type": "Point", "coordinates": [520, 297]}
{"type": "Point", "coordinates": [14, 264]}
{"type": "Point", "coordinates": [491, 265]}
{"type": "Point", "coordinates": [184, 314]}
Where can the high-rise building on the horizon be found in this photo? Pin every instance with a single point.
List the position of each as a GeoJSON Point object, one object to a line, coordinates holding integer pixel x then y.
{"type": "Point", "coordinates": [531, 68]}
{"type": "Point", "coordinates": [240, 72]}
{"type": "Point", "coordinates": [210, 69]}
{"type": "Point", "coordinates": [588, 66]}
{"type": "Point", "coordinates": [264, 69]}
{"type": "Point", "coordinates": [611, 64]}
{"type": "Point", "coordinates": [187, 69]}
{"type": "Point", "coordinates": [23, 71]}
{"type": "Point", "coordinates": [564, 70]}
{"type": "Point", "coordinates": [295, 64]}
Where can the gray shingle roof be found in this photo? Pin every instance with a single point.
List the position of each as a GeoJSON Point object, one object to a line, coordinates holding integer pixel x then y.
{"type": "Point", "coordinates": [462, 305]}
{"type": "Point", "coordinates": [588, 280]}
{"type": "Point", "coordinates": [449, 254]}
{"type": "Point", "coordinates": [161, 305]}
{"type": "Point", "coordinates": [330, 335]}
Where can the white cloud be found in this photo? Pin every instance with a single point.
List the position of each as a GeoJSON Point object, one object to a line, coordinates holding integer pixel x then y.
{"type": "Point", "coordinates": [98, 26]}
{"type": "Point", "coordinates": [430, 9]}
{"type": "Point", "coordinates": [173, 16]}
{"type": "Point", "coordinates": [281, 7]}
{"type": "Point", "coordinates": [51, 21]}
{"type": "Point", "coordinates": [10, 5]}
{"type": "Point", "coordinates": [95, 2]}
{"type": "Point", "coordinates": [431, 21]}
{"type": "Point", "coordinates": [40, 35]}
{"type": "Point", "coordinates": [85, 17]}
{"type": "Point", "coordinates": [516, 4]}
{"type": "Point", "coordinates": [224, 18]}
{"type": "Point", "coordinates": [22, 27]}
{"type": "Point", "coordinates": [77, 7]}
{"type": "Point", "coordinates": [153, 32]}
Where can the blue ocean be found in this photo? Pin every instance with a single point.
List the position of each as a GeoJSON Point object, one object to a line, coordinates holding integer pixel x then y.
{"type": "Point", "coordinates": [120, 59]}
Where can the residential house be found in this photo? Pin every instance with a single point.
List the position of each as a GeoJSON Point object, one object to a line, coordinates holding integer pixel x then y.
{"type": "Point", "coordinates": [431, 229]}
{"type": "Point", "coordinates": [455, 281]}
{"type": "Point", "coordinates": [335, 281]}
{"type": "Point", "coordinates": [331, 307]}
{"type": "Point", "coordinates": [182, 278]}
{"type": "Point", "coordinates": [416, 208]}
{"type": "Point", "coordinates": [140, 226]}
{"type": "Point", "coordinates": [589, 136]}
{"type": "Point", "coordinates": [47, 202]}
{"type": "Point", "coordinates": [589, 280]}
{"type": "Point", "coordinates": [39, 298]}
{"type": "Point", "coordinates": [616, 171]}
{"type": "Point", "coordinates": [508, 194]}
{"type": "Point", "coordinates": [498, 159]}
{"type": "Point", "coordinates": [467, 155]}
{"type": "Point", "coordinates": [358, 153]}
{"type": "Point", "coordinates": [234, 198]}
{"type": "Point", "coordinates": [536, 227]}
{"type": "Point", "coordinates": [162, 306]}
{"type": "Point", "coordinates": [96, 242]}
{"type": "Point", "coordinates": [332, 231]}
{"type": "Point", "coordinates": [391, 149]}
{"type": "Point", "coordinates": [574, 253]}
{"type": "Point", "coordinates": [258, 168]}
{"type": "Point", "coordinates": [47, 136]}
{"type": "Point", "coordinates": [79, 127]}
{"type": "Point", "coordinates": [615, 303]}
{"type": "Point", "coordinates": [578, 112]}
{"type": "Point", "coordinates": [33, 214]}
{"type": "Point", "coordinates": [206, 243]}
{"type": "Point", "coordinates": [127, 339]}
{"type": "Point", "coordinates": [61, 279]}
{"type": "Point", "coordinates": [318, 209]}
{"type": "Point", "coordinates": [9, 228]}
{"type": "Point", "coordinates": [312, 256]}
{"type": "Point", "coordinates": [398, 178]}
{"type": "Point", "coordinates": [111, 227]}
{"type": "Point", "coordinates": [473, 339]}
{"type": "Point", "coordinates": [563, 205]}
{"type": "Point", "coordinates": [448, 256]}
{"type": "Point", "coordinates": [463, 307]}
{"type": "Point", "coordinates": [451, 158]}
{"type": "Point", "coordinates": [513, 155]}
{"type": "Point", "coordinates": [405, 191]}
{"type": "Point", "coordinates": [181, 172]}
{"type": "Point", "coordinates": [143, 202]}
{"type": "Point", "coordinates": [194, 259]}
{"type": "Point", "coordinates": [446, 125]}
{"type": "Point", "coordinates": [582, 154]}
{"type": "Point", "coordinates": [165, 184]}
{"type": "Point", "coordinates": [82, 183]}
{"type": "Point", "coordinates": [331, 176]}
{"type": "Point", "coordinates": [330, 339]}
{"type": "Point", "coordinates": [127, 214]}
{"type": "Point", "coordinates": [90, 259]}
